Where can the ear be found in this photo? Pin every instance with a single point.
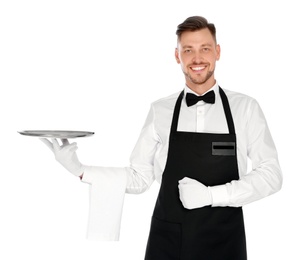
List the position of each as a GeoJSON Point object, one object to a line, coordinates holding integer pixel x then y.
{"type": "Point", "coordinates": [218, 50]}
{"type": "Point", "coordinates": [177, 55]}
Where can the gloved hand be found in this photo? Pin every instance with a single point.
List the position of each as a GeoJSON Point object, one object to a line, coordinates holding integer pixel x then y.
{"type": "Point", "coordinates": [194, 194]}
{"type": "Point", "coordinates": [65, 155]}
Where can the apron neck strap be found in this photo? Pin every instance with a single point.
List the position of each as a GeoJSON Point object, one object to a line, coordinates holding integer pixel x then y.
{"type": "Point", "coordinates": [226, 107]}
{"type": "Point", "coordinates": [228, 115]}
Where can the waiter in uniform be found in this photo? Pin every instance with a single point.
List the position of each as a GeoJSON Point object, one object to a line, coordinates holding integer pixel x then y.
{"type": "Point", "coordinates": [195, 143]}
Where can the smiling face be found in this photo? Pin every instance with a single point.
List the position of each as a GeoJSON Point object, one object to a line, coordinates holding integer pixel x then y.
{"type": "Point", "coordinates": [197, 53]}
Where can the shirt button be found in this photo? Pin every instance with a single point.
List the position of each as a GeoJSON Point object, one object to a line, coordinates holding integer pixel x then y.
{"type": "Point", "coordinates": [200, 110]}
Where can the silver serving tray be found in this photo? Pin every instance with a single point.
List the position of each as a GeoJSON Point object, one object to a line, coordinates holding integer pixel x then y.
{"type": "Point", "coordinates": [64, 134]}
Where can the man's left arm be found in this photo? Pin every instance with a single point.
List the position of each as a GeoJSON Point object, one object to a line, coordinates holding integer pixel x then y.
{"type": "Point", "coordinates": [265, 178]}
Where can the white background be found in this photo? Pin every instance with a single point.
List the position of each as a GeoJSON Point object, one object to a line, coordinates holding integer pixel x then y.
{"type": "Point", "coordinates": [97, 66]}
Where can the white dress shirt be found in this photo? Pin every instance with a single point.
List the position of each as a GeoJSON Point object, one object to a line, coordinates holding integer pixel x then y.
{"type": "Point", "coordinates": [148, 159]}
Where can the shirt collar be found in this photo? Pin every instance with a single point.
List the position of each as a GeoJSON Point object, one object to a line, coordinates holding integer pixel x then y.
{"type": "Point", "coordinates": [215, 88]}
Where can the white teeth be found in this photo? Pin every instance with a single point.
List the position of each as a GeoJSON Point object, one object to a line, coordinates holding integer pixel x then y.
{"type": "Point", "coordinates": [198, 68]}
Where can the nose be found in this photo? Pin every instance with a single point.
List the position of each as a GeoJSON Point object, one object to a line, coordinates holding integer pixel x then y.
{"type": "Point", "coordinates": [198, 58]}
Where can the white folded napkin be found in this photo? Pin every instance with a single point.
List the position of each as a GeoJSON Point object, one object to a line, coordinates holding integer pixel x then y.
{"type": "Point", "coordinates": [107, 191]}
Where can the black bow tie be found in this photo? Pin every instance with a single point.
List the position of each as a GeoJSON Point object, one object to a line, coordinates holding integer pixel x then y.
{"type": "Point", "coordinates": [192, 99]}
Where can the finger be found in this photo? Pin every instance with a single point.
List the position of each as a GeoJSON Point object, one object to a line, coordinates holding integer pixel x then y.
{"type": "Point", "coordinates": [185, 180]}
{"type": "Point", "coordinates": [64, 141]}
{"type": "Point", "coordinates": [56, 144]}
{"type": "Point", "coordinates": [47, 143]}
{"type": "Point", "coordinates": [180, 187]}
{"type": "Point", "coordinates": [70, 148]}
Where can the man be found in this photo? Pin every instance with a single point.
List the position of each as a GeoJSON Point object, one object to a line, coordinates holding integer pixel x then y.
{"type": "Point", "coordinates": [196, 144]}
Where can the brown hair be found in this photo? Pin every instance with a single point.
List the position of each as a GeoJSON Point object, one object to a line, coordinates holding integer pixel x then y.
{"type": "Point", "coordinates": [195, 23]}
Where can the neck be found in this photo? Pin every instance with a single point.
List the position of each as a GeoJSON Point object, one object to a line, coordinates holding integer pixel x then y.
{"type": "Point", "coordinates": [202, 88]}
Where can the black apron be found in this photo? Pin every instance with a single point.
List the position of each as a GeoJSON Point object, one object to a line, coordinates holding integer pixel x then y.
{"type": "Point", "coordinates": [208, 233]}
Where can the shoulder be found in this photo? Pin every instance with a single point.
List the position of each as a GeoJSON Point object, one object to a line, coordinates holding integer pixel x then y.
{"type": "Point", "coordinates": [239, 100]}
{"type": "Point", "coordinates": [244, 108]}
{"type": "Point", "coordinates": [237, 96]}
{"type": "Point", "coordinates": [166, 102]}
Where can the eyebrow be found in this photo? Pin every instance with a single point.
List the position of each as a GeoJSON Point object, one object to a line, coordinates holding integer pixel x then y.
{"type": "Point", "coordinates": [203, 45]}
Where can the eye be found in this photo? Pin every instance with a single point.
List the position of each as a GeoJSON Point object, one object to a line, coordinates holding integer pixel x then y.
{"type": "Point", "coordinates": [206, 49]}
{"type": "Point", "coordinates": [187, 51]}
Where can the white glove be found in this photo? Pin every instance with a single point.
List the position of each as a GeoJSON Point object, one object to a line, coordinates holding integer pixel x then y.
{"type": "Point", "coordinates": [65, 155]}
{"type": "Point", "coordinates": [194, 194]}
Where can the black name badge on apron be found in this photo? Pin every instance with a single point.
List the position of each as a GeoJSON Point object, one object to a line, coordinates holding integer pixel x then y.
{"type": "Point", "coordinates": [208, 233]}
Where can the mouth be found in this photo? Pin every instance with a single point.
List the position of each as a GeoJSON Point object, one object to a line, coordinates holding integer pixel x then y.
{"type": "Point", "coordinates": [198, 68]}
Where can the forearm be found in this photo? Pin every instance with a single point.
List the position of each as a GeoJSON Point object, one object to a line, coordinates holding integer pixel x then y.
{"type": "Point", "coordinates": [259, 183]}
{"type": "Point", "coordinates": [138, 181]}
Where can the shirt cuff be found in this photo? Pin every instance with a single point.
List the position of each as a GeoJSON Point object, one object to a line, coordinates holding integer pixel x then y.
{"type": "Point", "coordinates": [88, 173]}
{"type": "Point", "coordinates": [219, 195]}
